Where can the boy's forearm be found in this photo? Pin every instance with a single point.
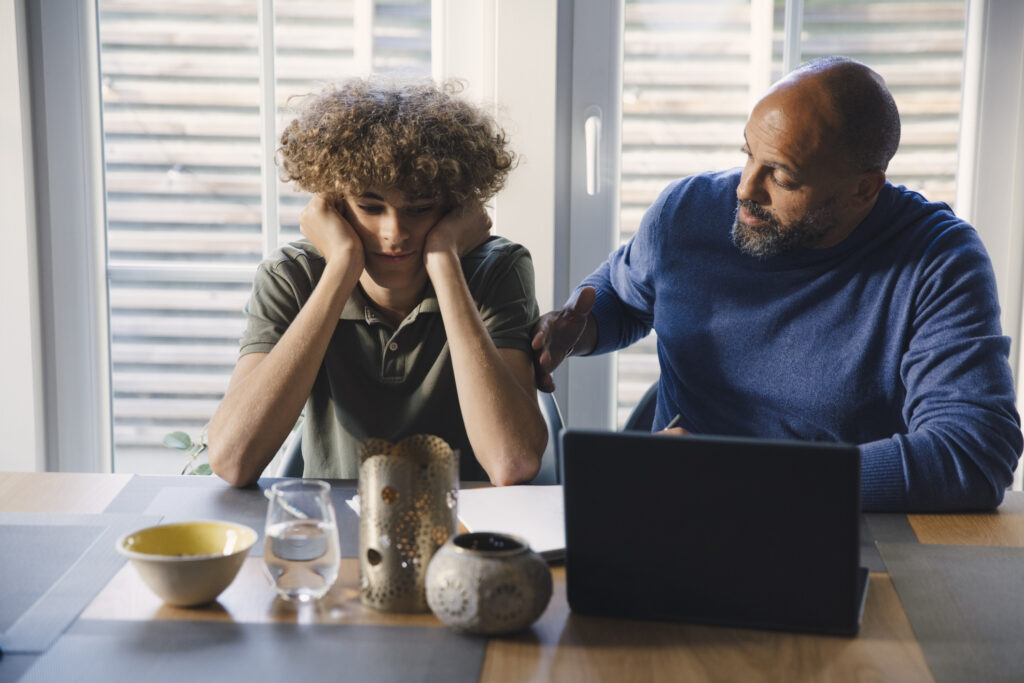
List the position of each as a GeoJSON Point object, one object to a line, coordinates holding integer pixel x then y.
{"type": "Point", "coordinates": [260, 408]}
{"type": "Point", "coordinates": [503, 421]}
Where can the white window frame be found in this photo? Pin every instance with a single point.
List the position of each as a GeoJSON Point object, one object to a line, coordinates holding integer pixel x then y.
{"type": "Point", "coordinates": [66, 170]}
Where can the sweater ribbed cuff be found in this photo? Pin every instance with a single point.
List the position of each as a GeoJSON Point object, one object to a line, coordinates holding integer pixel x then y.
{"type": "Point", "coordinates": [607, 314]}
{"type": "Point", "coordinates": [882, 480]}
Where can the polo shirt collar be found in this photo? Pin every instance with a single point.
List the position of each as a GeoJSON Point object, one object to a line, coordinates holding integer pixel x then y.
{"type": "Point", "coordinates": [359, 306]}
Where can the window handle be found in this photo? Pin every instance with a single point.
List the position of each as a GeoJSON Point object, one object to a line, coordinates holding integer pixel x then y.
{"type": "Point", "coordinates": [592, 133]}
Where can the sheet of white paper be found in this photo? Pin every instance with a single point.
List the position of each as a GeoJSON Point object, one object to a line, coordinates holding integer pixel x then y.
{"type": "Point", "coordinates": [534, 513]}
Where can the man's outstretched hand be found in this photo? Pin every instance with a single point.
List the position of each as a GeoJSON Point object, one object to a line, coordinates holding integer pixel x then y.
{"type": "Point", "coordinates": [559, 333]}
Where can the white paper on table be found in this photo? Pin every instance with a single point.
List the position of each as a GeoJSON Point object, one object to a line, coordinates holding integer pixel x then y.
{"type": "Point", "coordinates": [534, 513]}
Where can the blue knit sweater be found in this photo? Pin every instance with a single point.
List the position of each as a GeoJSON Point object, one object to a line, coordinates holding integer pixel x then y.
{"type": "Point", "coordinates": [890, 340]}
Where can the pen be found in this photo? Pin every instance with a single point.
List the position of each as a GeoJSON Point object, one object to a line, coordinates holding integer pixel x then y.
{"type": "Point", "coordinates": [674, 422]}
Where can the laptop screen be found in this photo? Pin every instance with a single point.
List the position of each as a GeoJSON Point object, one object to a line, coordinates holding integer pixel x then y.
{"type": "Point", "coordinates": [734, 531]}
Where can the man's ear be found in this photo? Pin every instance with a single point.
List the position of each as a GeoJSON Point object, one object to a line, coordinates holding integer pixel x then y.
{"type": "Point", "coordinates": [869, 184]}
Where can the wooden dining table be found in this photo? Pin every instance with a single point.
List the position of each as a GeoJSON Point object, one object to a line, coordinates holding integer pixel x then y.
{"type": "Point", "coordinates": [561, 645]}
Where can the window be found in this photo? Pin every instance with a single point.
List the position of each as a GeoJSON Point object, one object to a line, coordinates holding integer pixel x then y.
{"type": "Point", "coordinates": [185, 165]}
{"type": "Point", "coordinates": [189, 211]}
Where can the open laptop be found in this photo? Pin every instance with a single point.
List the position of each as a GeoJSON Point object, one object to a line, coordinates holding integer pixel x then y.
{"type": "Point", "coordinates": [732, 531]}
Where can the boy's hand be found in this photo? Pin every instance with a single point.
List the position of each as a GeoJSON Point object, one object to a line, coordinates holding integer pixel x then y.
{"type": "Point", "coordinates": [330, 233]}
{"type": "Point", "coordinates": [458, 231]}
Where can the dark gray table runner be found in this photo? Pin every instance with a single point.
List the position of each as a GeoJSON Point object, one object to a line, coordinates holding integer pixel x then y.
{"type": "Point", "coordinates": [966, 606]}
{"type": "Point", "coordinates": [177, 499]}
{"type": "Point", "coordinates": [174, 651]}
{"type": "Point", "coordinates": [879, 527]}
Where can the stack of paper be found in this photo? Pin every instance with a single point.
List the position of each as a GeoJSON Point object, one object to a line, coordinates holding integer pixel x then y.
{"type": "Point", "coordinates": [534, 513]}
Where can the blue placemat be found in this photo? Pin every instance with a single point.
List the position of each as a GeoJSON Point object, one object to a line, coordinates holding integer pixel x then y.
{"type": "Point", "coordinates": [174, 651]}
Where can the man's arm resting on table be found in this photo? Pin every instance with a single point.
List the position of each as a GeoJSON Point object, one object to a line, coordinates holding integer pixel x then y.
{"type": "Point", "coordinates": [963, 436]}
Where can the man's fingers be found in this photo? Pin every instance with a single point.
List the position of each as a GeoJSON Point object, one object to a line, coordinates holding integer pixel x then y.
{"type": "Point", "coordinates": [584, 301]}
{"type": "Point", "coordinates": [543, 380]}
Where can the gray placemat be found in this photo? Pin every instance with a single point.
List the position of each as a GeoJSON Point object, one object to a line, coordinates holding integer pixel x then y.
{"type": "Point", "coordinates": [175, 651]}
{"type": "Point", "coordinates": [140, 490]}
{"type": "Point", "coordinates": [13, 667]}
{"type": "Point", "coordinates": [74, 556]}
{"type": "Point", "coordinates": [887, 528]}
{"type": "Point", "coordinates": [35, 557]}
{"type": "Point", "coordinates": [966, 606]}
{"type": "Point", "coordinates": [179, 498]}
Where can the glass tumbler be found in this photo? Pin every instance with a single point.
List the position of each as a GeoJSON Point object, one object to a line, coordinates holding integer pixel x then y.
{"type": "Point", "coordinates": [301, 550]}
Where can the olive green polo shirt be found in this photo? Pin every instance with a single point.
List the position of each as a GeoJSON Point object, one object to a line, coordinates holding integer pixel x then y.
{"type": "Point", "coordinates": [381, 381]}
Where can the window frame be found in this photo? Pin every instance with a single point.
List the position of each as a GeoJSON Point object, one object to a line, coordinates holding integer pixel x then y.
{"type": "Point", "coordinates": [69, 231]}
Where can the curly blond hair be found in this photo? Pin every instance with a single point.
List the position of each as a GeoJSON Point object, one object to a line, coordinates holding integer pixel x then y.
{"type": "Point", "coordinates": [413, 136]}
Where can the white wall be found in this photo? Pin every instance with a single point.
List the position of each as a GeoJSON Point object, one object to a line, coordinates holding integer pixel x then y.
{"type": "Point", "coordinates": [506, 54]}
{"type": "Point", "coordinates": [991, 165]}
{"type": "Point", "coordinates": [21, 400]}
{"type": "Point", "coordinates": [990, 174]}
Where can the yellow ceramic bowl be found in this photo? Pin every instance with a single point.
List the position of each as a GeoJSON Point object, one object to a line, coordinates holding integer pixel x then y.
{"type": "Point", "coordinates": [188, 563]}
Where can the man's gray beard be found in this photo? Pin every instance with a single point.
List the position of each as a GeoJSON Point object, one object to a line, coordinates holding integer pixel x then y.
{"type": "Point", "coordinates": [769, 239]}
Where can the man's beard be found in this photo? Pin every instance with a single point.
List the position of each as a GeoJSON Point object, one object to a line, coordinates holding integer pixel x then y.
{"type": "Point", "coordinates": [770, 238]}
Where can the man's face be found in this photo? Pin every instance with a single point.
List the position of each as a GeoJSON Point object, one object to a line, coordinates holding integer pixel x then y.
{"type": "Point", "coordinates": [789, 193]}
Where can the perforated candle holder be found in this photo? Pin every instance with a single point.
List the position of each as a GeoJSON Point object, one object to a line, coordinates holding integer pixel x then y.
{"type": "Point", "coordinates": [408, 493]}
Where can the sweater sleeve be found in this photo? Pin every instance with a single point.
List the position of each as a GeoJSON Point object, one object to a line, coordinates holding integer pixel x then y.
{"type": "Point", "coordinates": [963, 435]}
{"type": "Point", "coordinates": [625, 283]}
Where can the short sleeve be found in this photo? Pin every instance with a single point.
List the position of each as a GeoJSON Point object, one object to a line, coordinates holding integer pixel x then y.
{"type": "Point", "coordinates": [279, 290]}
{"type": "Point", "coordinates": [502, 284]}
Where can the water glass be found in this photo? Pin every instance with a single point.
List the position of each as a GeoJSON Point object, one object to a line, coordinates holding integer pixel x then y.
{"type": "Point", "coordinates": [301, 551]}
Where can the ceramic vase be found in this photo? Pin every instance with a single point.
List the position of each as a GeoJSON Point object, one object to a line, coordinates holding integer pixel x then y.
{"type": "Point", "coordinates": [488, 583]}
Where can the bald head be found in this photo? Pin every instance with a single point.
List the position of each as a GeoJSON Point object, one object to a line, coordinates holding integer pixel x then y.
{"type": "Point", "coordinates": [851, 102]}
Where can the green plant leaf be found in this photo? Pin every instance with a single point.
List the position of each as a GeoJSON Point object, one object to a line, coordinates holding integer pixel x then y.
{"type": "Point", "coordinates": [204, 469]}
{"type": "Point", "coordinates": [178, 440]}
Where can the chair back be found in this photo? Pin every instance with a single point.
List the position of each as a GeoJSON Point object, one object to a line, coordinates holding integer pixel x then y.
{"type": "Point", "coordinates": [550, 465]}
{"type": "Point", "coordinates": [642, 417]}
{"type": "Point", "coordinates": [292, 463]}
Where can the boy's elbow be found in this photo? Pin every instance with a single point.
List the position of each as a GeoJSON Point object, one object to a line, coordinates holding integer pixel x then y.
{"type": "Point", "coordinates": [509, 478]}
{"type": "Point", "coordinates": [519, 468]}
{"type": "Point", "coordinates": [230, 470]}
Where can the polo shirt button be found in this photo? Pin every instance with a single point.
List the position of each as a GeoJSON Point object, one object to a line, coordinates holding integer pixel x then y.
{"type": "Point", "coordinates": [393, 346]}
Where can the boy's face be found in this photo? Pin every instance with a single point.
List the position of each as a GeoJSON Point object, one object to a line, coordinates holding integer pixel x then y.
{"type": "Point", "coordinates": [393, 229]}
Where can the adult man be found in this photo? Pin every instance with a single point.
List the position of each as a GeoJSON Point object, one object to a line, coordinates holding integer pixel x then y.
{"type": "Point", "coordinates": [805, 297]}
